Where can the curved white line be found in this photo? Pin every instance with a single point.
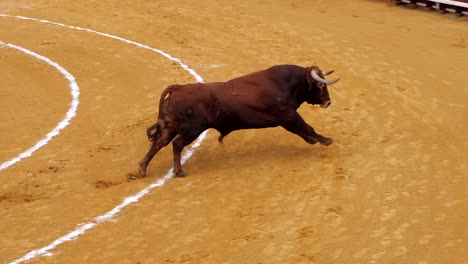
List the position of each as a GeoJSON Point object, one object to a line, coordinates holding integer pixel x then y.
{"type": "Point", "coordinates": [82, 228]}
{"type": "Point", "coordinates": [177, 60]}
{"type": "Point", "coordinates": [75, 92]}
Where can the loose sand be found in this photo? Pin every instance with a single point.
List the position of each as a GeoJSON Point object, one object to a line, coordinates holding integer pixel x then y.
{"type": "Point", "coordinates": [391, 189]}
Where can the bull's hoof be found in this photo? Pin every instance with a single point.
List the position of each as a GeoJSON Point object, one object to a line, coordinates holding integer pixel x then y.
{"type": "Point", "coordinates": [326, 141]}
{"type": "Point", "coordinates": [133, 176]}
{"type": "Point", "coordinates": [180, 174]}
{"type": "Point", "coordinates": [142, 171]}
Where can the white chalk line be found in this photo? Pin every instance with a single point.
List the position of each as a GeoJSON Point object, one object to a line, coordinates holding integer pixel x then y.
{"type": "Point", "coordinates": [75, 93]}
{"type": "Point", "coordinates": [67, 119]}
{"type": "Point", "coordinates": [82, 228]}
{"type": "Point", "coordinates": [177, 60]}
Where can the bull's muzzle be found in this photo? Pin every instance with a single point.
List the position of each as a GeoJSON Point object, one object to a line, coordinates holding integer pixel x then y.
{"type": "Point", "coordinates": [326, 104]}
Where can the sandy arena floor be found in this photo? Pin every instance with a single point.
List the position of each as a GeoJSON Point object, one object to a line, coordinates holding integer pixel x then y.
{"type": "Point", "coordinates": [393, 188]}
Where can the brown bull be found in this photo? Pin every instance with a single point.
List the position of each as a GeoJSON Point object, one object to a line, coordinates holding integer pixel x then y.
{"type": "Point", "coordinates": [266, 98]}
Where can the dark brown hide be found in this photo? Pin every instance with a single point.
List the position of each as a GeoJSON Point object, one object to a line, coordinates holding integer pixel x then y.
{"type": "Point", "coordinates": [266, 98]}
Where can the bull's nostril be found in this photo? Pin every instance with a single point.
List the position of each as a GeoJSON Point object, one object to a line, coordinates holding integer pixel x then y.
{"type": "Point", "coordinates": [326, 104]}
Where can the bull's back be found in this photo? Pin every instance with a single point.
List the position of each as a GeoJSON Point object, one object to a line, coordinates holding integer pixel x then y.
{"type": "Point", "coordinates": [244, 103]}
{"type": "Point", "coordinates": [248, 101]}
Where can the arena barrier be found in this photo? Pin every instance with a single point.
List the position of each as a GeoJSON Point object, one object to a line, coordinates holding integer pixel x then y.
{"type": "Point", "coordinates": [454, 6]}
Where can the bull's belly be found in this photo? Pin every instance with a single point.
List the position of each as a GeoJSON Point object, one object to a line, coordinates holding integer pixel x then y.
{"type": "Point", "coordinates": [233, 122]}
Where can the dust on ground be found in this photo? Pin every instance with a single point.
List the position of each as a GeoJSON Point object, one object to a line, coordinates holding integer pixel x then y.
{"type": "Point", "coordinates": [391, 189]}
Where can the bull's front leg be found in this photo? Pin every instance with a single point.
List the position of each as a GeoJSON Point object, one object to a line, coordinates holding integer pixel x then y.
{"type": "Point", "coordinates": [294, 123]}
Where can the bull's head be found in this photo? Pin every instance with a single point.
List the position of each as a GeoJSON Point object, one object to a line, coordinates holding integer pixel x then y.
{"type": "Point", "coordinates": [318, 91]}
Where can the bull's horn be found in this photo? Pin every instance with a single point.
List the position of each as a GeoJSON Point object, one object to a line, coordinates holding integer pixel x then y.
{"type": "Point", "coordinates": [325, 73]}
{"type": "Point", "coordinates": [316, 77]}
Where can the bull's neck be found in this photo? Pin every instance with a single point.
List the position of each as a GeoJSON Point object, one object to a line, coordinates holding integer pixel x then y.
{"type": "Point", "coordinates": [300, 88]}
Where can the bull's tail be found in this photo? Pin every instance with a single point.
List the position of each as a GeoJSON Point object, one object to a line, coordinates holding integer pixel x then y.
{"type": "Point", "coordinates": [154, 132]}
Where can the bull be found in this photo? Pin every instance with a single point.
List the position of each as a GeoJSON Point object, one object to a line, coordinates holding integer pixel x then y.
{"type": "Point", "coordinates": [266, 98]}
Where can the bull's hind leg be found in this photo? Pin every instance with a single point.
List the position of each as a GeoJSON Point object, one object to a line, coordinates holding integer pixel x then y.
{"type": "Point", "coordinates": [295, 124]}
{"type": "Point", "coordinates": [166, 136]}
{"type": "Point", "coordinates": [182, 140]}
